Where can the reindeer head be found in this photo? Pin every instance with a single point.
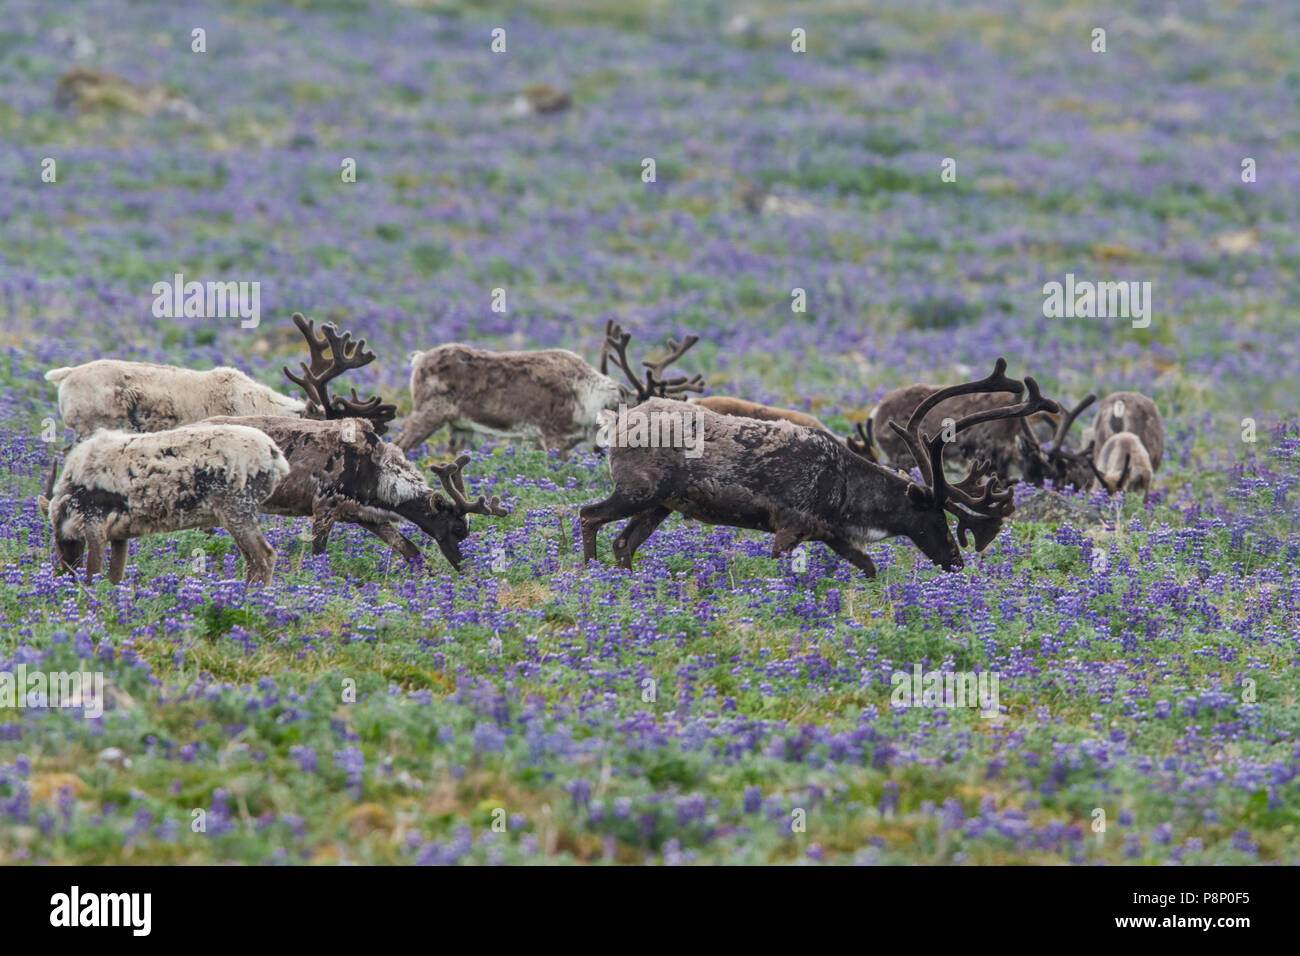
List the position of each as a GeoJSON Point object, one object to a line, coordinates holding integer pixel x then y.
{"type": "Point", "coordinates": [446, 520]}
{"type": "Point", "coordinates": [655, 385]}
{"type": "Point", "coordinates": [344, 354]}
{"type": "Point", "coordinates": [1124, 465]}
{"type": "Point", "coordinates": [69, 544]}
{"type": "Point", "coordinates": [980, 501]}
{"type": "Point", "coordinates": [1057, 462]}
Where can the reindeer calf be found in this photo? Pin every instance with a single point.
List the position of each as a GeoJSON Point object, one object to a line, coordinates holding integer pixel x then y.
{"type": "Point", "coordinates": [1130, 412]}
{"type": "Point", "coordinates": [117, 485]}
{"type": "Point", "coordinates": [1123, 464]}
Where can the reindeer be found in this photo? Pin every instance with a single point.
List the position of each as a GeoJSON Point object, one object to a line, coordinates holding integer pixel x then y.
{"type": "Point", "coordinates": [343, 471]}
{"type": "Point", "coordinates": [742, 408]}
{"type": "Point", "coordinates": [1056, 461]}
{"type": "Point", "coordinates": [803, 485]}
{"type": "Point", "coordinates": [1129, 412]}
{"type": "Point", "coordinates": [144, 397]}
{"type": "Point", "coordinates": [551, 398]}
{"type": "Point", "coordinates": [995, 441]}
{"type": "Point", "coordinates": [1123, 464]}
{"type": "Point", "coordinates": [656, 386]}
{"type": "Point", "coordinates": [118, 485]}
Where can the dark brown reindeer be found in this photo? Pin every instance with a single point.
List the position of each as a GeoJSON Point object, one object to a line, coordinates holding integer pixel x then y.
{"type": "Point", "coordinates": [996, 441]}
{"type": "Point", "coordinates": [1056, 461]}
{"type": "Point", "coordinates": [803, 485]}
{"type": "Point", "coordinates": [341, 470]}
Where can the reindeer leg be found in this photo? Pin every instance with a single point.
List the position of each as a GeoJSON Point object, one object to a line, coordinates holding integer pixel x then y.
{"type": "Point", "coordinates": [854, 556]}
{"type": "Point", "coordinates": [635, 533]}
{"type": "Point", "coordinates": [325, 510]}
{"type": "Point", "coordinates": [787, 539]}
{"type": "Point", "coordinates": [594, 517]}
{"type": "Point", "coordinates": [95, 543]}
{"type": "Point", "coordinates": [458, 439]}
{"type": "Point", "coordinates": [421, 423]}
{"type": "Point", "coordinates": [388, 533]}
{"type": "Point", "coordinates": [240, 519]}
{"type": "Point", "coordinates": [118, 551]}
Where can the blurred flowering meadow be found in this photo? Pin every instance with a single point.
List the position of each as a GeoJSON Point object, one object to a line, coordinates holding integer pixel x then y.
{"type": "Point", "coordinates": [714, 705]}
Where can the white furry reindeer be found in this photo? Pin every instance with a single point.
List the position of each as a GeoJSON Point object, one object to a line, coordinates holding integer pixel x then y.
{"type": "Point", "coordinates": [143, 397]}
{"type": "Point", "coordinates": [117, 485]}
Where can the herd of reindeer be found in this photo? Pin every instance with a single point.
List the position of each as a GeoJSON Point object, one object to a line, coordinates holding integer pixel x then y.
{"type": "Point", "coordinates": [160, 449]}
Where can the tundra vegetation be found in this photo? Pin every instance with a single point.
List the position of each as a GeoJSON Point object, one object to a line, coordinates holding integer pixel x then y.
{"type": "Point", "coordinates": [713, 703]}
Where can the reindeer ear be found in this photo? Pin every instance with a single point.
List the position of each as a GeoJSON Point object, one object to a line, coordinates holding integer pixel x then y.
{"type": "Point", "coordinates": [44, 504]}
{"type": "Point", "coordinates": [919, 496]}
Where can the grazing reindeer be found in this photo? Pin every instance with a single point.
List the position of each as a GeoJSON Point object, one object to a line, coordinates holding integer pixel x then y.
{"type": "Point", "coordinates": [118, 485]}
{"type": "Point", "coordinates": [551, 398]}
{"type": "Point", "coordinates": [995, 441]}
{"type": "Point", "coordinates": [143, 397]}
{"type": "Point", "coordinates": [343, 471]}
{"type": "Point", "coordinates": [1123, 464]}
{"type": "Point", "coordinates": [1130, 412]}
{"type": "Point", "coordinates": [655, 386]}
{"type": "Point", "coordinates": [1057, 462]}
{"type": "Point", "coordinates": [804, 485]}
{"type": "Point", "coordinates": [742, 408]}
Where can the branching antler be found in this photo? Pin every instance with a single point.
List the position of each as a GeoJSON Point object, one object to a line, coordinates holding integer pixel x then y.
{"type": "Point", "coordinates": [673, 386]}
{"type": "Point", "coordinates": [980, 501]}
{"type": "Point", "coordinates": [922, 447]}
{"type": "Point", "coordinates": [450, 475]}
{"type": "Point", "coordinates": [654, 384]}
{"type": "Point", "coordinates": [1063, 429]}
{"type": "Point", "coordinates": [344, 354]}
{"type": "Point", "coordinates": [1057, 460]}
{"type": "Point", "coordinates": [616, 342]}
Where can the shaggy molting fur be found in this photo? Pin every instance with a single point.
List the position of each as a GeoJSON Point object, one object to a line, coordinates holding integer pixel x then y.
{"type": "Point", "coordinates": [118, 485]}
